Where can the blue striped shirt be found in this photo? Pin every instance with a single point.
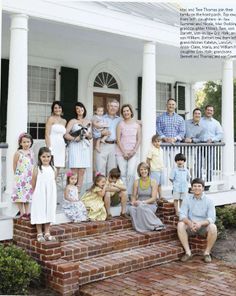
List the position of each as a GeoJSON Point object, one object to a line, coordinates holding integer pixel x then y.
{"type": "Point", "coordinates": [170, 126]}
{"type": "Point", "coordinates": [112, 124]}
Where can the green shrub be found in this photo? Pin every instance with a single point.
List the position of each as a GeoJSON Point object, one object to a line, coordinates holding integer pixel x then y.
{"type": "Point", "coordinates": [227, 215]}
{"type": "Point", "coordinates": [17, 269]}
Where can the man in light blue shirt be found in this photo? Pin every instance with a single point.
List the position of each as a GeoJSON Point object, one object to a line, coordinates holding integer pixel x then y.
{"type": "Point", "coordinates": [197, 216]}
{"type": "Point", "coordinates": [213, 131]}
{"type": "Point", "coordinates": [194, 130]}
{"type": "Point", "coordinates": [106, 158]}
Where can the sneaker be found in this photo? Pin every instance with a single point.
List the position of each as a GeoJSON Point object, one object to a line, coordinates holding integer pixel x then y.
{"type": "Point", "coordinates": [48, 237]}
{"type": "Point", "coordinates": [207, 258]}
{"type": "Point", "coordinates": [185, 258]}
{"type": "Point", "coordinates": [40, 238]}
{"type": "Point", "coordinates": [124, 215]}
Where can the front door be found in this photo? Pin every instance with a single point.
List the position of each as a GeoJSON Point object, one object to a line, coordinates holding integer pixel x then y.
{"type": "Point", "coordinates": [101, 100]}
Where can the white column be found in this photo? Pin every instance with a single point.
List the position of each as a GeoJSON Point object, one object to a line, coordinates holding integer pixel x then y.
{"type": "Point", "coordinates": [17, 89]}
{"type": "Point", "coordinates": [228, 118]}
{"type": "Point", "coordinates": [148, 112]}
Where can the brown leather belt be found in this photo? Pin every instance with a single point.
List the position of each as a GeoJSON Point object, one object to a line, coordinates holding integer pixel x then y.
{"type": "Point", "coordinates": [110, 142]}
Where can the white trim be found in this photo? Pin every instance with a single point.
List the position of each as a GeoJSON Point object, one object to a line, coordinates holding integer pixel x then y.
{"type": "Point", "coordinates": [90, 16]}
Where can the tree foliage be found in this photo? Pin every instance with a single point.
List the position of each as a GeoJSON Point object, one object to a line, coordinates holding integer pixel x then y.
{"type": "Point", "coordinates": [211, 94]}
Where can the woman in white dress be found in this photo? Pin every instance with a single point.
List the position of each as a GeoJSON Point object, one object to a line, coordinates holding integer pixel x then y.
{"type": "Point", "coordinates": [78, 132]}
{"type": "Point", "coordinates": [54, 135]}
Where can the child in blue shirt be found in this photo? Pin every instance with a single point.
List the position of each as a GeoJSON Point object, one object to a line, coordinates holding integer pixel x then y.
{"type": "Point", "coordinates": [180, 177]}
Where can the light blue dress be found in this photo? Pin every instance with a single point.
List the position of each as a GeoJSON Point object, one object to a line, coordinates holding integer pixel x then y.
{"type": "Point", "coordinates": [79, 152]}
{"type": "Point", "coordinates": [75, 210]}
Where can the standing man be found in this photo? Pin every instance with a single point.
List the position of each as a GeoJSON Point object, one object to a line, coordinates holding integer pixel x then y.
{"type": "Point", "coordinates": [197, 217]}
{"type": "Point", "coordinates": [194, 130]}
{"type": "Point", "coordinates": [106, 159]}
{"type": "Point", "coordinates": [213, 131]}
{"type": "Point", "coordinates": [170, 126]}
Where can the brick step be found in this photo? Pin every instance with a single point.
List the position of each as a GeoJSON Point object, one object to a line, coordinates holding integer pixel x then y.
{"type": "Point", "coordinates": [99, 268]}
{"type": "Point", "coordinates": [113, 241]}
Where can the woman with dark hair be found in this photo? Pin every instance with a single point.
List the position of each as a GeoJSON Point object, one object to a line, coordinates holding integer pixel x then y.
{"type": "Point", "coordinates": [143, 208]}
{"type": "Point", "coordinates": [54, 134]}
{"type": "Point", "coordinates": [128, 135]}
{"type": "Point", "coordinates": [78, 132]}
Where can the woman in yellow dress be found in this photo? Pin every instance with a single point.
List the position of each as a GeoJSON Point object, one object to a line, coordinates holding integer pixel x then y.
{"type": "Point", "coordinates": [93, 199]}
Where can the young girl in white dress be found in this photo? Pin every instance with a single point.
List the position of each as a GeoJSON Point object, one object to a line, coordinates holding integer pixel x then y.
{"type": "Point", "coordinates": [44, 200]}
{"type": "Point", "coordinates": [73, 207]}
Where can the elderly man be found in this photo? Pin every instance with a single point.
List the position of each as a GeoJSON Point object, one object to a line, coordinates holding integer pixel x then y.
{"type": "Point", "coordinates": [170, 126]}
{"type": "Point", "coordinates": [194, 130]}
{"type": "Point", "coordinates": [106, 159]}
{"type": "Point", "coordinates": [197, 217]}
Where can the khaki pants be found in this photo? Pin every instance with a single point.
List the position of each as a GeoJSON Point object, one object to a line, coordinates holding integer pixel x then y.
{"type": "Point", "coordinates": [106, 159]}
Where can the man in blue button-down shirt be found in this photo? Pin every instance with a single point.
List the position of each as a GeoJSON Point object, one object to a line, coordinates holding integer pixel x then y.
{"type": "Point", "coordinates": [197, 216]}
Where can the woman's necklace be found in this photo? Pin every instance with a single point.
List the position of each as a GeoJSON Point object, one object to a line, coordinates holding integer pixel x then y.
{"type": "Point", "coordinates": [145, 184]}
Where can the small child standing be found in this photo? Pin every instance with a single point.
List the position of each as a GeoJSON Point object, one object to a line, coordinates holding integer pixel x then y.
{"type": "Point", "coordinates": [73, 207]}
{"type": "Point", "coordinates": [44, 200]}
{"type": "Point", "coordinates": [23, 164]}
{"type": "Point", "coordinates": [115, 186]}
{"type": "Point", "coordinates": [180, 177]}
{"type": "Point", "coordinates": [99, 124]}
{"type": "Point", "coordinates": [93, 199]}
{"type": "Point", "coordinates": [156, 162]}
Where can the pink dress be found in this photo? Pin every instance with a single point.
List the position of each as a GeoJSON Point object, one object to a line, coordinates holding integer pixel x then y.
{"type": "Point", "coordinates": [22, 190]}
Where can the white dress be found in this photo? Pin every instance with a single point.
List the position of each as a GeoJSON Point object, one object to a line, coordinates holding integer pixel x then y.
{"type": "Point", "coordinates": [79, 152]}
{"type": "Point", "coordinates": [58, 146]}
{"type": "Point", "coordinates": [44, 200]}
{"type": "Point", "coordinates": [75, 210]}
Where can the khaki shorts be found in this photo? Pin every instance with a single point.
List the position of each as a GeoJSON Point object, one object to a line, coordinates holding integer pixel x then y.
{"type": "Point", "coordinates": [179, 195]}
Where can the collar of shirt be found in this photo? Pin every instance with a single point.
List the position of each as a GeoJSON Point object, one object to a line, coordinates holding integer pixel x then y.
{"type": "Point", "coordinates": [111, 117]}
{"type": "Point", "coordinates": [172, 114]}
{"type": "Point", "coordinates": [195, 123]}
{"type": "Point", "coordinates": [201, 197]}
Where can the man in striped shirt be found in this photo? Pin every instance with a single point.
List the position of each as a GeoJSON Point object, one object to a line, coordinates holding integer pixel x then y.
{"type": "Point", "coordinates": [170, 126]}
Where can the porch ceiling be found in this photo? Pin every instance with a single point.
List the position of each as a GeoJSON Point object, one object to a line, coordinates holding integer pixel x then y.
{"type": "Point", "coordinates": [52, 40]}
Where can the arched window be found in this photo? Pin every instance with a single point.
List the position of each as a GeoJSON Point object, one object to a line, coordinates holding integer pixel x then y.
{"type": "Point", "coordinates": [105, 80]}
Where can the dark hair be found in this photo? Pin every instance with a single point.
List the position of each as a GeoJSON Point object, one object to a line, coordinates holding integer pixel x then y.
{"type": "Point", "coordinates": [96, 180]}
{"type": "Point", "coordinates": [171, 99]}
{"type": "Point", "coordinates": [27, 136]}
{"type": "Point", "coordinates": [79, 104]}
{"type": "Point", "coordinates": [198, 181]}
{"type": "Point", "coordinates": [130, 108]}
{"type": "Point", "coordinates": [41, 151]}
{"type": "Point", "coordinates": [114, 173]}
{"type": "Point", "coordinates": [143, 164]}
{"type": "Point", "coordinates": [156, 138]}
{"type": "Point", "coordinates": [68, 178]}
{"type": "Point", "coordinates": [180, 156]}
{"type": "Point", "coordinates": [54, 104]}
{"type": "Point", "coordinates": [196, 109]}
{"type": "Point", "coordinates": [207, 106]}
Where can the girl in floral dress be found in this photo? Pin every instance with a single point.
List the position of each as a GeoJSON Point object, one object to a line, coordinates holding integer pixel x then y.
{"type": "Point", "coordinates": [73, 207]}
{"type": "Point", "coordinates": [23, 163]}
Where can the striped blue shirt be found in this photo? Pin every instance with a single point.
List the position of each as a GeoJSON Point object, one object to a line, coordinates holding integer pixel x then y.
{"type": "Point", "coordinates": [198, 210]}
{"type": "Point", "coordinates": [170, 126]}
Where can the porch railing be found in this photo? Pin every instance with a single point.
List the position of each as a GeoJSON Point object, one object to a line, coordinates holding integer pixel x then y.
{"type": "Point", "coordinates": [3, 146]}
{"type": "Point", "coordinates": [203, 160]}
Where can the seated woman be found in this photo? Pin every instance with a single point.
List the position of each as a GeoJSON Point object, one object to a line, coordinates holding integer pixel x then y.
{"type": "Point", "coordinates": [143, 202]}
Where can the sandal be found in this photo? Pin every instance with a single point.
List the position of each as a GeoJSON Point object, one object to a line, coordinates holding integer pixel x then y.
{"type": "Point", "coordinates": [48, 237]}
{"type": "Point", "coordinates": [40, 238]}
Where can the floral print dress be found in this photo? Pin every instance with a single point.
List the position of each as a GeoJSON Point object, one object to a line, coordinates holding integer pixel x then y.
{"type": "Point", "coordinates": [22, 190]}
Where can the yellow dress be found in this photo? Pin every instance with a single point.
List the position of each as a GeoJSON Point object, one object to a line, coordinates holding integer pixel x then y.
{"type": "Point", "coordinates": [94, 205]}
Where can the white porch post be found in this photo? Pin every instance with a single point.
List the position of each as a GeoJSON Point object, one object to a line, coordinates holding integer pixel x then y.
{"type": "Point", "coordinates": [17, 89]}
{"type": "Point", "coordinates": [228, 118]}
{"type": "Point", "coordinates": [148, 112]}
